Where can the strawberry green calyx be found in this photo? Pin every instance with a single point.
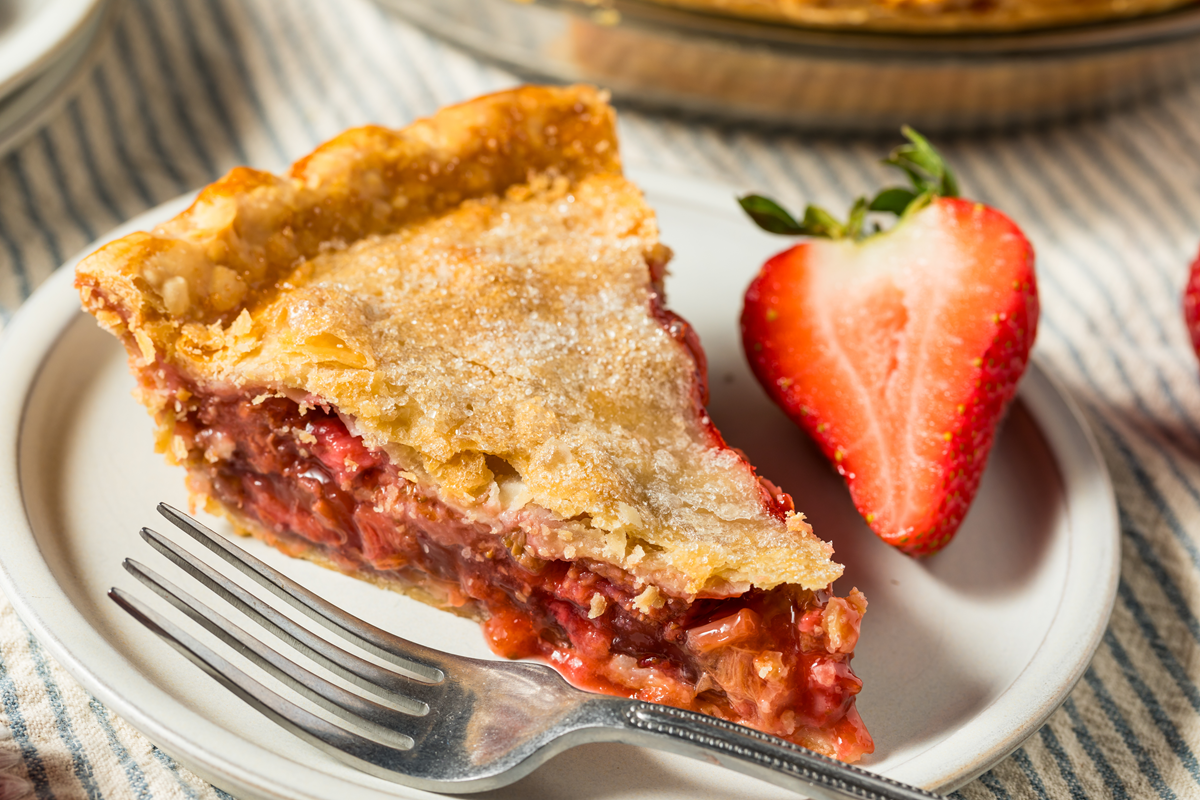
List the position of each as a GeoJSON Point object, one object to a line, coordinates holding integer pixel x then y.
{"type": "Point", "coordinates": [774, 218]}
{"type": "Point", "coordinates": [925, 167]}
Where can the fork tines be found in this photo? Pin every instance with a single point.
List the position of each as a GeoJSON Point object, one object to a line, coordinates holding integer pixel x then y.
{"type": "Point", "coordinates": [388, 723]}
{"type": "Point", "coordinates": [443, 722]}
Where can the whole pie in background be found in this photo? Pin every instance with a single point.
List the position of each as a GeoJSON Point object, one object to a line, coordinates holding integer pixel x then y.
{"type": "Point", "coordinates": [933, 16]}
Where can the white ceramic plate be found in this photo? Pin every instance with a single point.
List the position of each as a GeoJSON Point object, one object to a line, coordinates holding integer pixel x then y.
{"type": "Point", "coordinates": [27, 108]}
{"type": "Point", "coordinates": [962, 655]}
{"type": "Point", "coordinates": [33, 33]}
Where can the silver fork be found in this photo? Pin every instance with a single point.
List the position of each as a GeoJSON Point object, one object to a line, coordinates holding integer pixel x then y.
{"type": "Point", "coordinates": [443, 722]}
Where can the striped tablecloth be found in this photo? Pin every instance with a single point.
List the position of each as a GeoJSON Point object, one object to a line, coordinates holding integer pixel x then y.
{"type": "Point", "coordinates": [187, 89]}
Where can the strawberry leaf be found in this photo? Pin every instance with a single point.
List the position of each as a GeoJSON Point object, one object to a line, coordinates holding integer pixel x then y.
{"type": "Point", "coordinates": [924, 165]}
{"type": "Point", "coordinates": [858, 216]}
{"type": "Point", "coordinates": [770, 216]}
{"type": "Point", "coordinates": [895, 200]}
{"type": "Point", "coordinates": [819, 222]}
{"type": "Point", "coordinates": [774, 218]}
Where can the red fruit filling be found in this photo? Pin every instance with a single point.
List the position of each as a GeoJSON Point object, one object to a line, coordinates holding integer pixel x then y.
{"type": "Point", "coordinates": [777, 660]}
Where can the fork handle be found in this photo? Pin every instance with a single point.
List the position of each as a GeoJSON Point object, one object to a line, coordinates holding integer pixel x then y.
{"type": "Point", "coordinates": [759, 755]}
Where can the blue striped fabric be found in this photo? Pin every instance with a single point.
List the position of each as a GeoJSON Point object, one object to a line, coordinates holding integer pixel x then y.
{"type": "Point", "coordinates": [186, 90]}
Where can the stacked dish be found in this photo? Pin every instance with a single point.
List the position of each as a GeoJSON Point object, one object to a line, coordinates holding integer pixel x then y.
{"type": "Point", "coordinates": [45, 48]}
{"type": "Point", "coordinates": [867, 78]}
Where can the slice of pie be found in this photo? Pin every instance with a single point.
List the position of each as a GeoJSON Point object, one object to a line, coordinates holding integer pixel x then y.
{"type": "Point", "coordinates": [438, 359]}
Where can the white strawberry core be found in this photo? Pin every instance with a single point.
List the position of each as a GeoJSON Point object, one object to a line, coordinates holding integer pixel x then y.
{"type": "Point", "coordinates": [886, 310]}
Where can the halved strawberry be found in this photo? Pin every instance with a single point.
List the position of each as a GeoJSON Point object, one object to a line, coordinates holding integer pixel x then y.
{"type": "Point", "coordinates": [1191, 304]}
{"type": "Point", "coordinates": [898, 351]}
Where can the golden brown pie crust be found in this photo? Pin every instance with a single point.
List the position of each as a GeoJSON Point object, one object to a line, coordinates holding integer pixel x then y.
{"type": "Point", "coordinates": [518, 357]}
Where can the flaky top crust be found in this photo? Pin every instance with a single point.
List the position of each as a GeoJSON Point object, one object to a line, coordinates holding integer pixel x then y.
{"type": "Point", "coordinates": [478, 294]}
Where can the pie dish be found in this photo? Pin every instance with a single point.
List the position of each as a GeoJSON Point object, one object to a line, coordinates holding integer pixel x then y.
{"type": "Point", "coordinates": [933, 16]}
{"type": "Point", "coordinates": [439, 359]}
{"type": "Point", "coordinates": [828, 79]}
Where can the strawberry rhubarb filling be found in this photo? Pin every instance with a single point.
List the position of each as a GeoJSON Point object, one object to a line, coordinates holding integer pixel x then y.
{"type": "Point", "coordinates": [295, 476]}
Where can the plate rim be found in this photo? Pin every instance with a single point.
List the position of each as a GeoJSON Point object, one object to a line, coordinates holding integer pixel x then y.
{"type": "Point", "coordinates": [26, 109]}
{"type": "Point", "coordinates": [37, 597]}
{"type": "Point", "coordinates": [35, 44]}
